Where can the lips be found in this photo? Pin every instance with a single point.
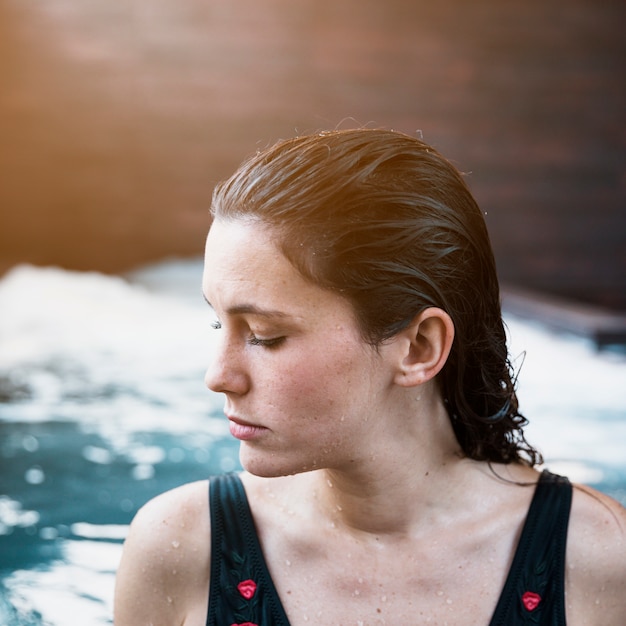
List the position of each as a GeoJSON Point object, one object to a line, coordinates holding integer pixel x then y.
{"type": "Point", "coordinates": [242, 430]}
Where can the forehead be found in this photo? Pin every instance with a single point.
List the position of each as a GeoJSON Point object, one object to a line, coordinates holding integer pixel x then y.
{"type": "Point", "coordinates": [243, 265]}
{"type": "Point", "coordinates": [241, 250]}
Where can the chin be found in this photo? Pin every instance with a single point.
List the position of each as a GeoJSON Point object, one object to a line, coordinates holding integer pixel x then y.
{"type": "Point", "coordinates": [270, 466]}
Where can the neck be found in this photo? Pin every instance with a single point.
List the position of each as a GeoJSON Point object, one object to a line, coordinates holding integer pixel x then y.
{"type": "Point", "coordinates": [399, 483]}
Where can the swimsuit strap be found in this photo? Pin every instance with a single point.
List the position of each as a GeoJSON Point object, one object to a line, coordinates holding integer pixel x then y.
{"type": "Point", "coordinates": [534, 592]}
{"type": "Point", "coordinates": [241, 589]}
{"type": "Point", "coordinates": [242, 592]}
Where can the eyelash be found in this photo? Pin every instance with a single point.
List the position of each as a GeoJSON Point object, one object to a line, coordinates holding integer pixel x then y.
{"type": "Point", "coordinates": [265, 343]}
{"type": "Point", "coordinates": [253, 340]}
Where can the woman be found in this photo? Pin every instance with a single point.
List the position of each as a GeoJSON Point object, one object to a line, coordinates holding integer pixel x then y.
{"type": "Point", "coordinates": [363, 362]}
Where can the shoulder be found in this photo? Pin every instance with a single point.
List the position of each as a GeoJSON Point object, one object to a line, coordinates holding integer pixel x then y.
{"type": "Point", "coordinates": [596, 559]}
{"type": "Point", "coordinates": [166, 558]}
{"type": "Point", "coordinates": [173, 515]}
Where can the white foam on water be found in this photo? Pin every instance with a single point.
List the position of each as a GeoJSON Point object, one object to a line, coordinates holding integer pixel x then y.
{"type": "Point", "coordinates": [75, 591]}
{"type": "Point", "coordinates": [573, 395]}
{"type": "Point", "coordinates": [13, 515]}
{"type": "Point", "coordinates": [95, 531]}
{"type": "Point", "coordinates": [67, 337]}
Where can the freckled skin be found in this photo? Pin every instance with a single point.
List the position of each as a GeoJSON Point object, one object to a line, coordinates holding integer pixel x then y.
{"type": "Point", "coordinates": [317, 391]}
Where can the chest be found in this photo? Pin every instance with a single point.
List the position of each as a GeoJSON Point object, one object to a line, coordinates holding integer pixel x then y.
{"type": "Point", "coordinates": [450, 583]}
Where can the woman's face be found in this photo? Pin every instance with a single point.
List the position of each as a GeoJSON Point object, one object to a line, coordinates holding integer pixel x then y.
{"type": "Point", "coordinates": [302, 389]}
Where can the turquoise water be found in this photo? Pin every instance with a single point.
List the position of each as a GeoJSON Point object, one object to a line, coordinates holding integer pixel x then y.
{"type": "Point", "coordinates": [102, 406]}
{"type": "Point", "coordinates": [68, 496]}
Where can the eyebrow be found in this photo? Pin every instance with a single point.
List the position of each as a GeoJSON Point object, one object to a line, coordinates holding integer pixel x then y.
{"type": "Point", "coordinates": [250, 309]}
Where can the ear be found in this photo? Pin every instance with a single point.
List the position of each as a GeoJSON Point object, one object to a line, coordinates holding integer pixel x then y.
{"type": "Point", "coordinates": [425, 346]}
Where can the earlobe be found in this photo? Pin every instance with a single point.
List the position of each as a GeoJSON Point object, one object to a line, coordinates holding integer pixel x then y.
{"type": "Point", "coordinates": [426, 342]}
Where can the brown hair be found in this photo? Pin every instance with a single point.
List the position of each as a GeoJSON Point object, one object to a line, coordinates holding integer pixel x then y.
{"type": "Point", "coordinates": [383, 219]}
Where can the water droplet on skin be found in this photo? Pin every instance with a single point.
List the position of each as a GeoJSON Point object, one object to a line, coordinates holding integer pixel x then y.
{"type": "Point", "coordinates": [448, 601]}
{"type": "Point", "coordinates": [329, 483]}
{"type": "Point", "coordinates": [287, 562]}
{"type": "Point", "coordinates": [169, 600]}
{"type": "Point", "coordinates": [440, 593]}
{"type": "Point", "coordinates": [384, 599]}
{"type": "Point", "coordinates": [175, 544]}
{"type": "Point", "coordinates": [356, 592]}
{"type": "Point", "coordinates": [360, 581]}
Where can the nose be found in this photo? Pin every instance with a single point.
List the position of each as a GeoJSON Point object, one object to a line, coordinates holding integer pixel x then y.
{"type": "Point", "coordinates": [227, 372]}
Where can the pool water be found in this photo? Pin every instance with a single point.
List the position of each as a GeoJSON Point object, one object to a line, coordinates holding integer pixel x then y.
{"type": "Point", "coordinates": [103, 405]}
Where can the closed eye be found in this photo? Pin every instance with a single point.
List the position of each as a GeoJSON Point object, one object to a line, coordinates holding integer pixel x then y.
{"type": "Point", "coordinates": [274, 342]}
{"type": "Point", "coordinates": [253, 340]}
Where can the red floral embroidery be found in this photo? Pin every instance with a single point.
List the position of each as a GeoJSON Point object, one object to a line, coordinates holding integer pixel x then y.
{"type": "Point", "coordinates": [531, 600]}
{"type": "Point", "coordinates": [246, 588]}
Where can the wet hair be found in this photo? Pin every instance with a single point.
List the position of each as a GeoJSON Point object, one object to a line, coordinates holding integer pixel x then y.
{"type": "Point", "coordinates": [383, 219]}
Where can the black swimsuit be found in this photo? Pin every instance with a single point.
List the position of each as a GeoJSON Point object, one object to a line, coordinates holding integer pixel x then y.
{"type": "Point", "coordinates": [242, 592]}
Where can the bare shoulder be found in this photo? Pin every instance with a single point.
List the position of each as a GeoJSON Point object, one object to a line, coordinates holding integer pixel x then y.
{"type": "Point", "coordinates": [167, 524]}
{"type": "Point", "coordinates": [596, 559]}
{"type": "Point", "coordinates": [164, 572]}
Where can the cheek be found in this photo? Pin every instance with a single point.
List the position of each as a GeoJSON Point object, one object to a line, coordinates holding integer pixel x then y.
{"type": "Point", "coordinates": [320, 383]}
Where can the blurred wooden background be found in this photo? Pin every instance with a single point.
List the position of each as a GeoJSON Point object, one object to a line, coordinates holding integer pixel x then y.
{"type": "Point", "coordinates": [116, 119]}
